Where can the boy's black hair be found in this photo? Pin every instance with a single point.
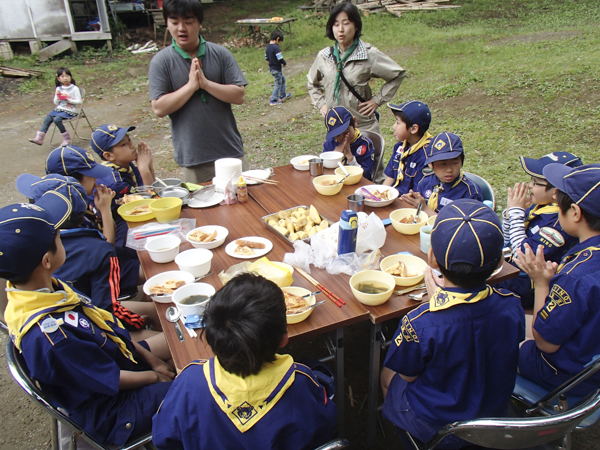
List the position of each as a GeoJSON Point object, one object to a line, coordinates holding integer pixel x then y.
{"type": "Point", "coordinates": [549, 186]}
{"type": "Point", "coordinates": [23, 280]}
{"type": "Point", "coordinates": [74, 221]}
{"type": "Point", "coordinates": [461, 275]}
{"type": "Point", "coordinates": [409, 123]}
{"type": "Point", "coordinates": [245, 322]}
{"type": "Point", "coordinates": [276, 34]}
{"type": "Point", "coordinates": [59, 72]}
{"type": "Point", "coordinates": [182, 9]}
{"type": "Point", "coordinates": [78, 176]}
{"type": "Point", "coordinates": [353, 16]}
{"type": "Point", "coordinates": [565, 202]}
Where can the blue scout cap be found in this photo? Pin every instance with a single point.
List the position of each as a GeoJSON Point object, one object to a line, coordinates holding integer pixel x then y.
{"type": "Point", "coordinates": [107, 136]}
{"type": "Point", "coordinates": [418, 112]}
{"type": "Point", "coordinates": [444, 146]}
{"type": "Point", "coordinates": [70, 160]}
{"type": "Point", "coordinates": [337, 120]}
{"type": "Point", "coordinates": [535, 167]}
{"type": "Point", "coordinates": [581, 183]}
{"type": "Point", "coordinates": [467, 231]}
{"type": "Point", "coordinates": [34, 187]}
{"type": "Point", "coordinates": [27, 232]}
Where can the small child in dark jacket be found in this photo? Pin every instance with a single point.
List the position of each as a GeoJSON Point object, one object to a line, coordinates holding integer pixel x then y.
{"type": "Point", "coordinates": [275, 58]}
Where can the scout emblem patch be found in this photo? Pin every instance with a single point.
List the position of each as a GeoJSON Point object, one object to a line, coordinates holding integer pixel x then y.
{"type": "Point", "coordinates": [49, 325]}
{"type": "Point", "coordinates": [245, 412]}
{"type": "Point", "coordinates": [84, 323]}
{"type": "Point", "coordinates": [440, 145]}
{"type": "Point", "coordinates": [332, 121]}
{"type": "Point", "coordinates": [361, 150]}
{"type": "Point", "coordinates": [552, 156]}
{"type": "Point", "coordinates": [551, 237]}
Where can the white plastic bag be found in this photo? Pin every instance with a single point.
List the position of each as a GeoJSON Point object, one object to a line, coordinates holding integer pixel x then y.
{"type": "Point", "coordinates": [302, 256]}
{"type": "Point", "coordinates": [138, 236]}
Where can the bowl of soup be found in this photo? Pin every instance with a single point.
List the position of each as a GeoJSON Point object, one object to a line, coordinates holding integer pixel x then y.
{"type": "Point", "coordinates": [372, 287]}
{"type": "Point", "coordinates": [193, 298]}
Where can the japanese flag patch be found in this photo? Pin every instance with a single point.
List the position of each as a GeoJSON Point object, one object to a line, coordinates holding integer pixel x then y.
{"type": "Point", "coordinates": [72, 318]}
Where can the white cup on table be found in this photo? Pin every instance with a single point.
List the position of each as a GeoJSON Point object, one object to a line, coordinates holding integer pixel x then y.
{"type": "Point", "coordinates": [425, 238]}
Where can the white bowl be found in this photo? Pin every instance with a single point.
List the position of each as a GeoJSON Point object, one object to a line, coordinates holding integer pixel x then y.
{"type": "Point", "coordinates": [193, 289]}
{"type": "Point", "coordinates": [380, 188]}
{"type": "Point", "coordinates": [161, 278]}
{"type": "Point", "coordinates": [331, 159]}
{"type": "Point", "coordinates": [222, 234]}
{"type": "Point", "coordinates": [195, 261]}
{"type": "Point", "coordinates": [163, 249]}
{"type": "Point", "coordinates": [298, 159]}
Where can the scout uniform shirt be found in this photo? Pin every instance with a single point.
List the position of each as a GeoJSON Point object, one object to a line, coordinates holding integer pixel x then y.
{"type": "Point", "coordinates": [406, 164]}
{"type": "Point", "coordinates": [282, 407]}
{"type": "Point", "coordinates": [362, 149]}
{"type": "Point", "coordinates": [440, 194]}
{"type": "Point", "coordinates": [463, 345]}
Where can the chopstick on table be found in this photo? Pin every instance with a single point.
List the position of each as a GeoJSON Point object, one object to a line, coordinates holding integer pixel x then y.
{"type": "Point", "coordinates": [261, 180]}
{"type": "Point", "coordinates": [338, 301]}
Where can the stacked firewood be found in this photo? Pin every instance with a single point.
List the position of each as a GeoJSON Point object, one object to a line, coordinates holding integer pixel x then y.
{"type": "Point", "coordinates": [396, 7]}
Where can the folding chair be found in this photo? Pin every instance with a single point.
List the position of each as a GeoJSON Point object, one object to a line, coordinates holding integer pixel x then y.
{"type": "Point", "coordinates": [19, 371]}
{"type": "Point", "coordinates": [80, 114]}
{"type": "Point", "coordinates": [334, 445]}
{"type": "Point", "coordinates": [486, 188]}
{"type": "Point", "coordinates": [379, 145]}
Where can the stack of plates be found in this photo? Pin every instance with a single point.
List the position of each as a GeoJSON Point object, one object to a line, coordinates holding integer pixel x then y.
{"type": "Point", "coordinates": [225, 170]}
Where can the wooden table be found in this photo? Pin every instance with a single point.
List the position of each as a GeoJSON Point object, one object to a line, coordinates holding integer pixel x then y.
{"type": "Point", "coordinates": [278, 24]}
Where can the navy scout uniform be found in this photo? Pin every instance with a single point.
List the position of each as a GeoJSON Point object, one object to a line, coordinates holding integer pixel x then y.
{"type": "Point", "coordinates": [406, 164]}
{"type": "Point", "coordinates": [282, 407]}
{"type": "Point", "coordinates": [362, 149]}
{"type": "Point", "coordinates": [438, 194]}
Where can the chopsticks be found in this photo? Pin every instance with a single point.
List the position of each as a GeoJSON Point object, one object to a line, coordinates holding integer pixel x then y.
{"type": "Point", "coordinates": [338, 301]}
{"type": "Point", "coordinates": [262, 180]}
{"type": "Point", "coordinates": [155, 232]}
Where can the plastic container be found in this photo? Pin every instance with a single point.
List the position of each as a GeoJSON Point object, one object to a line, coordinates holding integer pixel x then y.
{"type": "Point", "coordinates": [348, 232]}
{"type": "Point", "coordinates": [166, 209]}
{"type": "Point", "coordinates": [242, 190]}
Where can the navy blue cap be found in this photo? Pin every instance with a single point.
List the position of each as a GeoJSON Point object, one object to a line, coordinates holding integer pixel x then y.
{"type": "Point", "coordinates": [107, 136]}
{"type": "Point", "coordinates": [418, 112]}
{"type": "Point", "coordinates": [27, 232]}
{"type": "Point", "coordinates": [444, 146]}
{"type": "Point", "coordinates": [581, 183]}
{"type": "Point", "coordinates": [70, 160]}
{"type": "Point", "coordinates": [337, 120]}
{"type": "Point", "coordinates": [467, 231]}
{"type": "Point", "coordinates": [535, 167]}
{"type": "Point", "coordinates": [34, 187]}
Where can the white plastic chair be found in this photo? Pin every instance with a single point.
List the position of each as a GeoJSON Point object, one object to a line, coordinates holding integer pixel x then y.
{"type": "Point", "coordinates": [486, 188]}
{"type": "Point", "coordinates": [80, 115]}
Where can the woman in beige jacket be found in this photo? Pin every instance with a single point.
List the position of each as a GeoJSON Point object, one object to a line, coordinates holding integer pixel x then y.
{"type": "Point", "coordinates": [359, 62]}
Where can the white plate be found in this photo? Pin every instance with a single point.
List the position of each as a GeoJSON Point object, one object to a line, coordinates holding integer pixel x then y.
{"type": "Point", "coordinates": [258, 252]}
{"type": "Point", "coordinates": [379, 187]}
{"type": "Point", "coordinates": [298, 159]}
{"type": "Point", "coordinates": [214, 200]}
{"type": "Point", "coordinates": [257, 173]}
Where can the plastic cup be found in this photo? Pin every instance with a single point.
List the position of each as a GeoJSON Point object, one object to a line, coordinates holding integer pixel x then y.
{"type": "Point", "coordinates": [425, 238]}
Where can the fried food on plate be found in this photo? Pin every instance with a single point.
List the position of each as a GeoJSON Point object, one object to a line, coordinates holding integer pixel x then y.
{"type": "Point", "coordinates": [400, 270]}
{"type": "Point", "coordinates": [294, 303]}
{"type": "Point", "coordinates": [250, 244]}
{"type": "Point", "coordinates": [139, 210]}
{"type": "Point", "coordinates": [201, 236]}
{"type": "Point", "coordinates": [168, 287]}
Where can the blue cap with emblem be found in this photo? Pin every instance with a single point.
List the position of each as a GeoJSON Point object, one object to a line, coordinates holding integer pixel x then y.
{"type": "Point", "coordinates": [581, 183]}
{"type": "Point", "coordinates": [417, 112]}
{"type": "Point", "coordinates": [35, 187]}
{"type": "Point", "coordinates": [535, 167]}
{"type": "Point", "coordinates": [337, 120]}
{"type": "Point", "coordinates": [27, 232]}
{"type": "Point", "coordinates": [107, 136]}
{"type": "Point", "coordinates": [467, 231]}
{"type": "Point", "coordinates": [444, 146]}
{"type": "Point", "coordinates": [70, 160]}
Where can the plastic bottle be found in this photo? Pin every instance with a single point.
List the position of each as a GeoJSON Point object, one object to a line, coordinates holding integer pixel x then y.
{"type": "Point", "coordinates": [348, 232]}
{"type": "Point", "coordinates": [242, 191]}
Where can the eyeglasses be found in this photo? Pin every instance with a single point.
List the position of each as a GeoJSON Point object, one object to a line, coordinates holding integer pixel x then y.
{"type": "Point", "coordinates": [537, 183]}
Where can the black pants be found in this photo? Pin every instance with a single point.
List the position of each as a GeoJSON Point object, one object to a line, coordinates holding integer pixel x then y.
{"type": "Point", "coordinates": [57, 121]}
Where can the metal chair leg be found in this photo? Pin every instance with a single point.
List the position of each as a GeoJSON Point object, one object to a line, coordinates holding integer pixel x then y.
{"type": "Point", "coordinates": [54, 432]}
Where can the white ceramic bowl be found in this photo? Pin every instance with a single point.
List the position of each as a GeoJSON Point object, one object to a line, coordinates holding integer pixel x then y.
{"type": "Point", "coordinates": [193, 289]}
{"type": "Point", "coordinates": [159, 279]}
{"type": "Point", "coordinates": [299, 159]}
{"type": "Point", "coordinates": [299, 317]}
{"type": "Point", "coordinates": [331, 159]}
{"type": "Point", "coordinates": [163, 249]}
{"type": "Point", "coordinates": [222, 234]}
{"type": "Point", "coordinates": [195, 261]}
{"type": "Point", "coordinates": [379, 187]}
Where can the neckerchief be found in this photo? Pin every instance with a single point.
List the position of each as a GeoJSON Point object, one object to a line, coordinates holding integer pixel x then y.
{"type": "Point", "coordinates": [199, 54]}
{"type": "Point", "coordinates": [433, 200]}
{"type": "Point", "coordinates": [247, 400]}
{"type": "Point", "coordinates": [26, 308]}
{"type": "Point", "coordinates": [446, 298]}
{"type": "Point", "coordinates": [552, 208]}
{"type": "Point", "coordinates": [406, 153]}
{"type": "Point", "coordinates": [128, 170]}
{"type": "Point", "coordinates": [340, 66]}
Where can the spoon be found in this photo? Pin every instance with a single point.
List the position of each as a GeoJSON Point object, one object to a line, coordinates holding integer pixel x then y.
{"type": "Point", "coordinates": [343, 179]}
{"type": "Point", "coordinates": [203, 276]}
{"type": "Point", "coordinates": [309, 307]}
{"type": "Point", "coordinates": [173, 316]}
{"type": "Point", "coordinates": [311, 294]}
{"type": "Point", "coordinates": [417, 297]}
{"type": "Point", "coordinates": [418, 212]}
{"type": "Point", "coordinates": [343, 168]}
{"type": "Point", "coordinates": [161, 181]}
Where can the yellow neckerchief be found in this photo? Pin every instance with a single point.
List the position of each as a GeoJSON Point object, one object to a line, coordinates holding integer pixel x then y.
{"type": "Point", "coordinates": [551, 208]}
{"type": "Point", "coordinates": [128, 170]}
{"type": "Point", "coordinates": [433, 200]}
{"type": "Point", "coordinates": [444, 299]}
{"type": "Point", "coordinates": [407, 152]}
{"type": "Point", "coordinates": [246, 400]}
{"type": "Point", "coordinates": [26, 308]}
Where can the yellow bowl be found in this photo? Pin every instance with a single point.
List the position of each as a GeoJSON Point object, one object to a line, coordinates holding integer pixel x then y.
{"type": "Point", "coordinates": [166, 209]}
{"type": "Point", "coordinates": [355, 172]}
{"type": "Point", "coordinates": [372, 276]}
{"type": "Point", "coordinates": [124, 211]}
{"type": "Point", "coordinates": [414, 264]}
{"type": "Point", "coordinates": [296, 318]}
{"type": "Point", "coordinates": [407, 228]}
{"type": "Point", "coordinates": [328, 190]}
{"type": "Point", "coordinates": [431, 220]}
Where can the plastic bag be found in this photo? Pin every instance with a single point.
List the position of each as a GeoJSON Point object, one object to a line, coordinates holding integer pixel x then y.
{"type": "Point", "coordinates": [230, 197]}
{"type": "Point", "coordinates": [138, 236]}
{"type": "Point", "coordinates": [351, 263]}
{"type": "Point", "coordinates": [302, 256]}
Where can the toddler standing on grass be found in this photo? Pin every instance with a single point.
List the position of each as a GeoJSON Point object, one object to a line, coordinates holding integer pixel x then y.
{"type": "Point", "coordinates": [275, 58]}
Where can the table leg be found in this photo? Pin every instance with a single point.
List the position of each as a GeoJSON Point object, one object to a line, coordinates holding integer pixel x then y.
{"type": "Point", "coordinates": [339, 374]}
{"type": "Point", "coordinates": [373, 393]}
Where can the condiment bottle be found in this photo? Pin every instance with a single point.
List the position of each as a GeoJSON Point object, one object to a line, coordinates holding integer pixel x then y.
{"type": "Point", "coordinates": [242, 191]}
{"type": "Point", "coordinates": [348, 232]}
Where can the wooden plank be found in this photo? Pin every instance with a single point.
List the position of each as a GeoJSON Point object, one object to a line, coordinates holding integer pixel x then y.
{"type": "Point", "coordinates": [54, 49]}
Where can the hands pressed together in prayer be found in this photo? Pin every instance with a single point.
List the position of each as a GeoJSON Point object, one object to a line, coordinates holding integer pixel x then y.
{"type": "Point", "coordinates": [413, 198]}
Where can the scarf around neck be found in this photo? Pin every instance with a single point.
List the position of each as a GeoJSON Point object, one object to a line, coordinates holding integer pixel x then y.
{"type": "Point", "coordinates": [199, 54]}
{"type": "Point", "coordinates": [340, 66]}
{"type": "Point", "coordinates": [538, 210]}
{"type": "Point", "coordinates": [407, 152]}
{"type": "Point", "coordinates": [433, 200]}
{"type": "Point", "coordinates": [447, 298]}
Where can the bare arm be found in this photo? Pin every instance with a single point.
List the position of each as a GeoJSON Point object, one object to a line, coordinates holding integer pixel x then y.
{"type": "Point", "coordinates": [173, 101]}
{"type": "Point", "coordinates": [102, 199]}
{"type": "Point", "coordinates": [228, 93]}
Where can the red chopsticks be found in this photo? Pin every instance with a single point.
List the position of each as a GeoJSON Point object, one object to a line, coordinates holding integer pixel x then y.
{"type": "Point", "coordinates": [338, 301]}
